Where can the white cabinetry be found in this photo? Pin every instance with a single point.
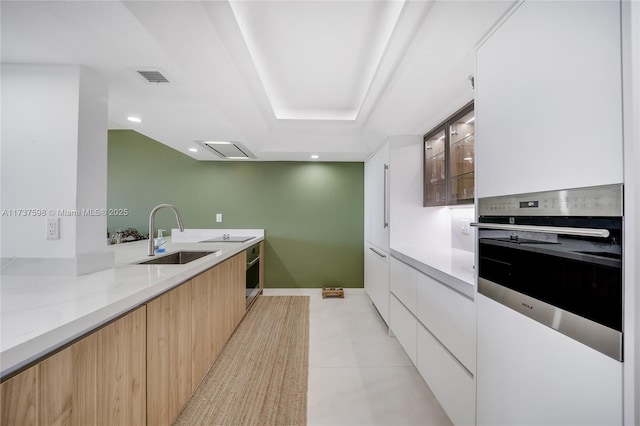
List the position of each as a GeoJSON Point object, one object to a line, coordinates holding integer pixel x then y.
{"type": "Point", "coordinates": [530, 374]}
{"type": "Point", "coordinates": [548, 99]}
{"type": "Point", "coordinates": [376, 247]}
{"type": "Point", "coordinates": [436, 327]}
{"type": "Point", "coordinates": [393, 195]}
{"type": "Point", "coordinates": [450, 317]}
{"type": "Point", "coordinates": [549, 116]}
{"type": "Point", "coordinates": [376, 278]}
{"type": "Point", "coordinates": [376, 198]}
{"type": "Point", "coordinates": [451, 384]}
{"type": "Point", "coordinates": [404, 281]}
{"type": "Point", "coordinates": [404, 325]}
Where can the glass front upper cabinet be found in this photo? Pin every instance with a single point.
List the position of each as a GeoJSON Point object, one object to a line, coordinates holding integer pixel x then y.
{"type": "Point", "coordinates": [449, 160]}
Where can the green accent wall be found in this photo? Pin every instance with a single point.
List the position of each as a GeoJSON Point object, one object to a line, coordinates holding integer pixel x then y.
{"type": "Point", "coordinates": [312, 212]}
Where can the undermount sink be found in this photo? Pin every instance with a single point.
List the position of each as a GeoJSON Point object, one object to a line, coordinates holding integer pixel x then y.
{"type": "Point", "coordinates": [177, 258]}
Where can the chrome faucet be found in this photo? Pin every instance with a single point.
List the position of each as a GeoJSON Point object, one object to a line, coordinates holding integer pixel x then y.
{"type": "Point", "coordinates": [152, 223]}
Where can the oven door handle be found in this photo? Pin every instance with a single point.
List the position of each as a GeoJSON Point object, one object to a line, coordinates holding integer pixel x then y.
{"type": "Point", "coordinates": [253, 262]}
{"type": "Point", "coordinates": [583, 232]}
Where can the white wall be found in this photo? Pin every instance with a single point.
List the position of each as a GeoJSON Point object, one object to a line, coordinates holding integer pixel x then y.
{"type": "Point", "coordinates": [54, 157]}
{"type": "Point", "coordinates": [461, 217]}
{"type": "Point", "coordinates": [631, 97]}
{"type": "Point", "coordinates": [92, 163]}
{"type": "Point", "coordinates": [411, 223]}
{"type": "Point", "coordinates": [39, 149]}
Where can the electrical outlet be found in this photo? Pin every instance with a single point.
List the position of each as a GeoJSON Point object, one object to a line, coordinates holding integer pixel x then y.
{"type": "Point", "coordinates": [218, 217]}
{"type": "Point", "coordinates": [465, 226]}
{"type": "Point", "coordinates": [53, 228]}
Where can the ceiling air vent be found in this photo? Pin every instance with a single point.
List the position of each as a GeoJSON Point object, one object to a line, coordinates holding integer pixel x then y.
{"type": "Point", "coordinates": [153, 76]}
{"type": "Point", "coordinates": [228, 150]}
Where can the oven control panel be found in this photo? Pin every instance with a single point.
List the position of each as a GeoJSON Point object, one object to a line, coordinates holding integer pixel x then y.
{"type": "Point", "coordinates": [592, 201]}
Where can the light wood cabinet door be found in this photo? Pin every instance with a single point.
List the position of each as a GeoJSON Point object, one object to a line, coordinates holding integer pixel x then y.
{"type": "Point", "coordinates": [169, 384]}
{"type": "Point", "coordinates": [218, 306]}
{"type": "Point", "coordinates": [67, 385]}
{"type": "Point", "coordinates": [122, 392]}
{"type": "Point", "coordinates": [202, 337]}
{"type": "Point", "coordinates": [232, 306]}
{"type": "Point", "coordinates": [20, 399]}
{"type": "Point", "coordinates": [99, 380]}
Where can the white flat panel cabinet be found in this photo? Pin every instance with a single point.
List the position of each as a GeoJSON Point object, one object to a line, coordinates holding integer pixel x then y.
{"type": "Point", "coordinates": [376, 256]}
{"type": "Point", "coordinates": [530, 374]}
{"type": "Point", "coordinates": [403, 281]}
{"type": "Point", "coordinates": [436, 326]}
{"type": "Point", "coordinates": [404, 325]}
{"type": "Point", "coordinates": [450, 317]}
{"type": "Point", "coordinates": [376, 278]}
{"type": "Point", "coordinates": [376, 196]}
{"type": "Point", "coordinates": [451, 383]}
{"type": "Point", "coordinates": [549, 99]}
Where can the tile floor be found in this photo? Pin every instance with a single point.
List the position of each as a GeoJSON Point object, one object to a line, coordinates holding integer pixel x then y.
{"type": "Point", "coordinates": [358, 374]}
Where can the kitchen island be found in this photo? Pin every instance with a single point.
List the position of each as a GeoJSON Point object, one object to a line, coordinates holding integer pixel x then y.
{"type": "Point", "coordinates": [41, 314]}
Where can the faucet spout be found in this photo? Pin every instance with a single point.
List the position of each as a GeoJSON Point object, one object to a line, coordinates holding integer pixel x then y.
{"type": "Point", "coordinates": [152, 223]}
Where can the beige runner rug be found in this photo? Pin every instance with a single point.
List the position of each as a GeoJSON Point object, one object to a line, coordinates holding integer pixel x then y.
{"type": "Point", "coordinates": [260, 378]}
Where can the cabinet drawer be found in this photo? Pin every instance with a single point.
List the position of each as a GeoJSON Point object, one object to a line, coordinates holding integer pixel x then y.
{"type": "Point", "coordinates": [403, 283]}
{"type": "Point", "coordinates": [452, 385]}
{"type": "Point", "coordinates": [450, 316]}
{"type": "Point", "coordinates": [376, 278]}
{"type": "Point", "coordinates": [403, 324]}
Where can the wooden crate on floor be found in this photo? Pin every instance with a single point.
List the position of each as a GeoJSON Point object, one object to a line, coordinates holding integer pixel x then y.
{"type": "Point", "coordinates": [332, 292]}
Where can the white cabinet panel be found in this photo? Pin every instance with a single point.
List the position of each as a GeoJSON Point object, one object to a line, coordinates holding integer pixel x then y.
{"type": "Point", "coordinates": [450, 316]}
{"type": "Point", "coordinates": [452, 385]}
{"type": "Point", "coordinates": [548, 99]}
{"type": "Point", "coordinates": [531, 374]}
{"type": "Point", "coordinates": [376, 278]}
{"type": "Point", "coordinates": [403, 281]}
{"type": "Point", "coordinates": [377, 198]}
{"type": "Point", "coordinates": [404, 325]}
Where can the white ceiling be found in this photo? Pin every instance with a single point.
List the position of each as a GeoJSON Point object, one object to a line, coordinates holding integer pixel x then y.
{"type": "Point", "coordinates": [286, 79]}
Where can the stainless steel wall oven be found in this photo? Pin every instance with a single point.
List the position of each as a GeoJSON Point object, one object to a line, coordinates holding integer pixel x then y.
{"type": "Point", "coordinates": [556, 257]}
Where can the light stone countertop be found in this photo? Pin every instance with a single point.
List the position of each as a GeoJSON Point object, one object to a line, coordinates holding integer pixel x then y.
{"type": "Point", "coordinates": [41, 313]}
{"type": "Point", "coordinates": [452, 267]}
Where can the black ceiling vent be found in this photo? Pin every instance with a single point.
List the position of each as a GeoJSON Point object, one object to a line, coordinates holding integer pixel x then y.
{"type": "Point", "coordinates": [153, 76]}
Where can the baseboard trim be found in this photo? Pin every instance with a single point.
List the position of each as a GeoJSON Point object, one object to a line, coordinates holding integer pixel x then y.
{"type": "Point", "coordinates": [306, 291]}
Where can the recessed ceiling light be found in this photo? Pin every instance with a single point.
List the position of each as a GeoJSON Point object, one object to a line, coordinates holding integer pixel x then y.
{"type": "Point", "coordinates": [134, 119]}
{"type": "Point", "coordinates": [237, 158]}
{"type": "Point", "coordinates": [315, 157]}
{"type": "Point", "coordinates": [217, 143]}
{"type": "Point", "coordinates": [193, 150]}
